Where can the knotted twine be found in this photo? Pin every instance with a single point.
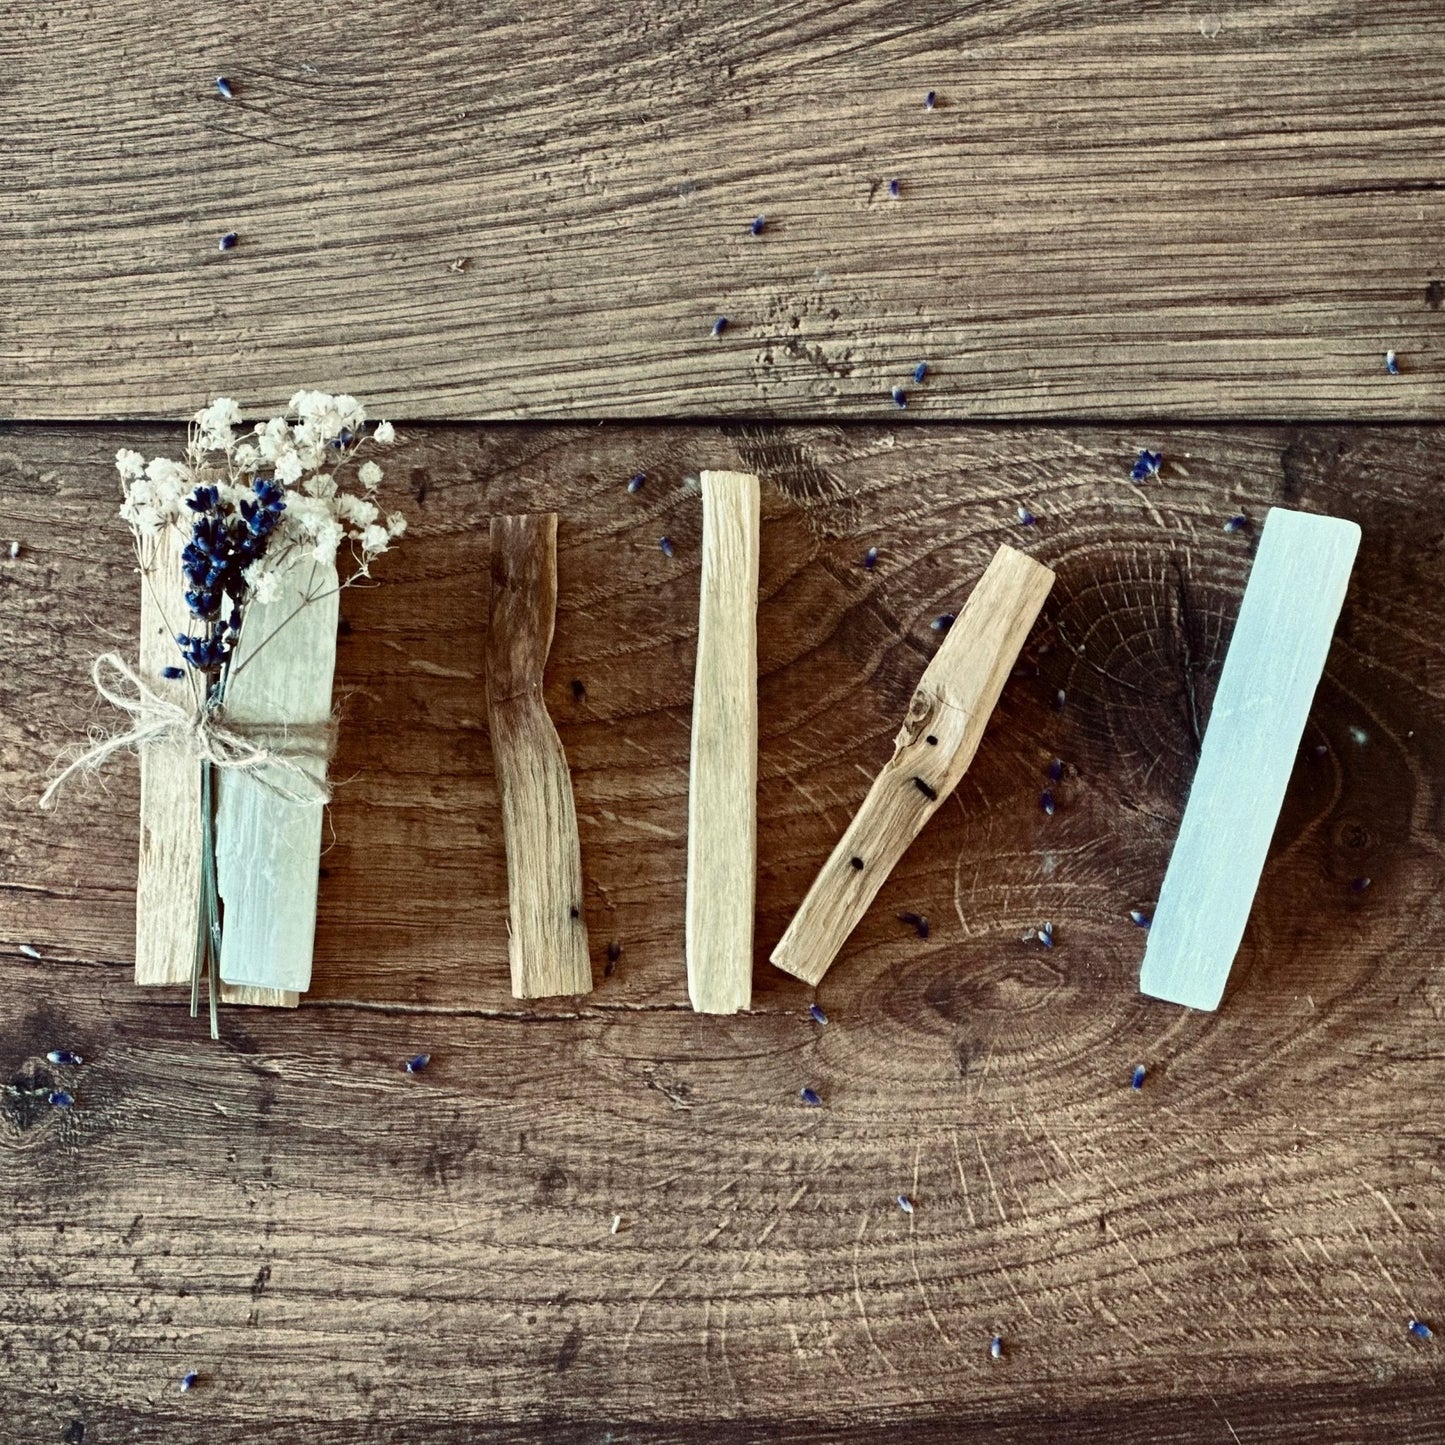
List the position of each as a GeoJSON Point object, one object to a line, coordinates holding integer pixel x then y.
{"type": "Point", "coordinates": [206, 733]}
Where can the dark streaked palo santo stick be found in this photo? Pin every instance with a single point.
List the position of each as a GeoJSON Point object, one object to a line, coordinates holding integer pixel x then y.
{"type": "Point", "coordinates": [946, 719]}
{"type": "Point", "coordinates": [1276, 655]}
{"type": "Point", "coordinates": [547, 940]}
{"type": "Point", "coordinates": [722, 800]}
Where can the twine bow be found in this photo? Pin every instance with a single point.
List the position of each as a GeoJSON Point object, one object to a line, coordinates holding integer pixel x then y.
{"type": "Point", "coordinates": [206, 733]}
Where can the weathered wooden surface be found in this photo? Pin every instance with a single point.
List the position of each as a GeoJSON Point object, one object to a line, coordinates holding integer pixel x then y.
{"type": "Point", "coordinates": [1116, 209]}
{"type": "Point", "coordinates": [350, 1254]}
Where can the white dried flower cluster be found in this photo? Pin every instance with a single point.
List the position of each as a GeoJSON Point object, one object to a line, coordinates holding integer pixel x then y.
{"type": "Point", "coordinates": [303, 452]}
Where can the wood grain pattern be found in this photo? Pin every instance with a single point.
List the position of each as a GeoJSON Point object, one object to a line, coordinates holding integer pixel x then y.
{"type": "Point", "coordinates": [351, 1254]}
{"type": "Point", "coordinates": [1119, 210]}
{"type": "Point", "coordinates": [1277, 651]}
{"type": "Point", "coordinates": [722, 786]}
{"type": "Point", "coordinates": [168, 875]}
{"type": "Point", "coordinates": [947, 715]}
{"type": "Point", "coordinates": [546, 932]}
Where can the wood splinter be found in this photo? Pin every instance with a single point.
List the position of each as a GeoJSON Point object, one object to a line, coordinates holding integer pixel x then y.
{"type": "Point", "coordinates": [722, 802]}
{"type": "Point", "coordinates": [946, 719]}
{"type": "Point", "coordinates": [547, 935]}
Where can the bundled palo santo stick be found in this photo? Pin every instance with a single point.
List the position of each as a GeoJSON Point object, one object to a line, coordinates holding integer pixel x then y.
{"type": "Point", "coordinates": [547, 940]}
{"type": "Point", "coordinates": [722, 804]}
{"type": "Point", "coordinates": [1276, 655]}
{"type": "Point", "coordinates": [939, 737]}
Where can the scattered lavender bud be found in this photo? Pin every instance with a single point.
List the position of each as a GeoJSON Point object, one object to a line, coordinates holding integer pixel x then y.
{"type": "Point", "coordinates": [1420, 1330]}
{"type": "Point", "coordinates": [64, 1056]}
{"type": "Point", "coordinates": [1392, 363]}
{"type": "Point", "coordinates": [61, 1098]}
{"type": "Point", "coordinates": [1358, 885]}
{"type": "Point", "coordinates": [943, 622]}
{"type": "Point", "coordinates": [930, 99]}
{"type": "Point", "coordinates": [174, 673]}
{"type": "Point", "coordinates": [665, 543]}
{"type": "Point", "coordinates": [417, 1063]}
{"type": "Point", "coordinates": [1046, 802]}
{"type": "Point", "coordinates": [1147, 466]}
{"type": "Point", "coordinates": [616, 1223]}
{"type": "Point", "coordinates": [1056, 770]}
{"type": "Point", "coordinates": [1139, 918]}
{"type": "Point", "coordinates": [30, 951]}
{"type": "Point", "coordinates": [228, 241]}
{"type": "Point", "coordinates": [1237, 523]}
{"type": "Point", "coordinates": [900, 397]}
{"type": "Point", "coordinates": [905, 1204]}
{"type": "Point", "coordinates": [1060, 698]}
{"type": "Point", "coordinates": [1045, 935]}
{"type": "Point", "coordinates": [810, 1097]}
{"type": "Point", "coordinates": [759, 225]}
{"type": "Point", "coordinates": [719, 326]}
{"type": "Point", "coordinates": [223, 87]}
{"type": "Point", "coordinates": [870, 559]}
{"type": "Point", "coordinates": [1026, 517]}
{"type": "Point", "coordinates": [995, 1348]}
{"type": "Point", "coordinates": [634, 483]}
{"type": "Point", "coordinates": [1319, 750]}
{"type": "Point", "coordinates": [1136, 1079]}
{"type": "Point", "coordinates": [920, 371]}
{"type": "Point", "coordinates": [927, 789]}
{"type": "Point", "coordinates": [916, 921]}
{"type": "Point", "coordinates": [817, 1014]}
{"type": "Point", "coordinates": [189, 1380]}
{"type": "Point", "coordinates": [14, 550]}
{"type": "Point", "coordinates": [893, 189]}
{"type": "Point", "coordinates": [614, 952]}
{"type": "Point", "coordinates": [1359, 735]}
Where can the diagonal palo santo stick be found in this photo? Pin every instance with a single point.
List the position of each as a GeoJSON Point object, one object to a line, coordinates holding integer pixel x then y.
{"type": "Point", "coordinates": [950, 709]}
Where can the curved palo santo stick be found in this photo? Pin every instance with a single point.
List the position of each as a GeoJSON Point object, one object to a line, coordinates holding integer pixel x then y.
{"type": "Point", "coordinates": [946, 719]}
{"type": "Point", "coordinates": [547, 936]}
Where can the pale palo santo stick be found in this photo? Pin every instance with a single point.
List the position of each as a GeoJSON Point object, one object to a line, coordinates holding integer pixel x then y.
{"type": "Point", "coordinates": [946, 720]}
{"type": "Point", "coordinates": [547, 936]}
{"type": "Point", "coordinates": [168, 881]}
{"type": "Point", "coordinates": [722, 799]}
{"type": "Point", "coordinates": [268, 837]}
{"type": "Point", "coordinates": [1276, 656]}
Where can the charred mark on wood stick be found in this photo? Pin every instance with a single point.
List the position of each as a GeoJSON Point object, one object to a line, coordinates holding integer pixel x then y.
{"type": "Point", "coordinates": [857, 863]}
{"type": "Point", "coordinates": [927, 789]}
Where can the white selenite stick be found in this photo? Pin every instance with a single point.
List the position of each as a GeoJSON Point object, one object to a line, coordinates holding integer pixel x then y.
{"type": "Point", "coordinates": [268, 843]}
{"type": "Point", "coordinates": [1275, 659]}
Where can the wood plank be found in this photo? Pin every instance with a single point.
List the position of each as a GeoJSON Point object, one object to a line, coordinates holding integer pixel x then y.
{"type": "Point", "coordinates": [947, 715]}
{"type": "Point", "coordinates": [1276, 655]}
{"type": "Point", "coordinates": [722, 788]}
{"type": "Point", "coordinates": [1128, 211]}
{"type": "Point", "coordinates": [1241, 1240]}
{"type": "Point", "coordinates": [268, 831]}
{"type": "Point", "coordinates": [168, 879]}
{"type": "Point", "coordinates": [546, 930]}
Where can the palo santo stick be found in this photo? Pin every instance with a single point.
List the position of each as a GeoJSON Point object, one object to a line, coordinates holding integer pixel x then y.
{"type": "Point", "coordinates": [547, 940]}
{"type": "Point", "coordinates": [268, 844]}
{"type": "Point", "coordinates": [945, 722]}
{"type": "Point", "coordinates": [168, 880]}
{"type": "Point", "coordinates": [722, 800]}
{"type": "Point", "coordinates": [1276, 655]}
